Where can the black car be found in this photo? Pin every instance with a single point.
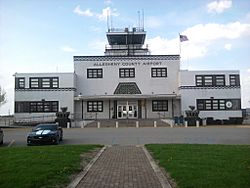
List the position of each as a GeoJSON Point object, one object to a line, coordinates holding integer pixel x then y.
{"type": "Point", "coordinates": [45, 134]}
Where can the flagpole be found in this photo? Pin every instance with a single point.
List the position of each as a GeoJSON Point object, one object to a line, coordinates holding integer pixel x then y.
{"type": "Point", "coordinates": [180, 44]}
{"type": "Point", "coordinates": [182, 38]}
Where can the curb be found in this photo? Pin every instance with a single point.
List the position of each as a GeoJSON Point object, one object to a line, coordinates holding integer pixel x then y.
{"type": "Point", "coordinates": [162, 178]}
{"type": "Point", "coordinates": [83, 173]}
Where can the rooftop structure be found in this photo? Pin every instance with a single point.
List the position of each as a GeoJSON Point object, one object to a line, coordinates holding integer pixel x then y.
{"type": "Point", "coordinates": [125, 42]}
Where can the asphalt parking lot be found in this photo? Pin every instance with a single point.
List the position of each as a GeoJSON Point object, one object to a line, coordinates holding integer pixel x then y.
{"type": "Point", "coordinates": [138, 136]}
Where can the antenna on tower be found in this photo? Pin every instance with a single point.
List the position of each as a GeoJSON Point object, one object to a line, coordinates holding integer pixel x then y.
{"type": "Point", "coordinates": [108, 18]}
{"type": "Point", "coordinates": [139, 19]}
{"type": "Point", "coordinates": [111, 19]}
{"type": "Point", "coordinates": [142, 19]}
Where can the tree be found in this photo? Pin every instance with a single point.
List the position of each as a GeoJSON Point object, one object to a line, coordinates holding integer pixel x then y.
{"type": "Point", "coordinates": [2, 97]}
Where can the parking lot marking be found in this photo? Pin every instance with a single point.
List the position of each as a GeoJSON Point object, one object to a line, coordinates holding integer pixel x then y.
{"type": "Point", "coordinates": [10, 144]}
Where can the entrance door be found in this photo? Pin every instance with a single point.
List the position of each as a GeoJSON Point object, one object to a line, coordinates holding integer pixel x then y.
{"type": "Point", "coordinates": [127, 111]}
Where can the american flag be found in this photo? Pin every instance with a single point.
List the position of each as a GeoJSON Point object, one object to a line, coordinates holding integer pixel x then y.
{"type": "Point", "coordinates": [183, 38]}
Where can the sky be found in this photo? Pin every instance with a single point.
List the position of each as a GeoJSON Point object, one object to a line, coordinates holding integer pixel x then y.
{"type": "Point", "coordinates": [44, 35]}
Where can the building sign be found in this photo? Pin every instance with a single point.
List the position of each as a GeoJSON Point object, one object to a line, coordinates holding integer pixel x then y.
{"type": "Point", "coordinates": [124, 64]}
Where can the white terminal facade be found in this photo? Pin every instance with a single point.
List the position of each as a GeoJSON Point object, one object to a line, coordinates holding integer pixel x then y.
{"type": "Point", "coordinates": [128, 82]}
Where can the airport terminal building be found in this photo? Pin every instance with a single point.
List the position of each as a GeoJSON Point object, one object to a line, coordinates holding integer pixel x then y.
{"type": "Point", "coordinates": [128, 83]}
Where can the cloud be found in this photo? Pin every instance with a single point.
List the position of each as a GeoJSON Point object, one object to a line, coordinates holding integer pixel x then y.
{"type": "Point", "coordinates": [86, 12]}
{"type": "Point", "coordinates": [213, 31]}
{"type": "Point", "coordinates": [202, 39]}
{"type": "Point", "coordinates": [101, 16]}
{"type": "Point", "coordinates": [68, 49]}
{"type": "Point", "coordinates": [159, 45]}
{"type": "Point", "coordinates": [104, 13]}
{"type": "Point", "coordinates": [203, 36]}
{"type": "Point", "coordinates": [228, 46]}
{"type": "Point", "coordinates": [219, 6]}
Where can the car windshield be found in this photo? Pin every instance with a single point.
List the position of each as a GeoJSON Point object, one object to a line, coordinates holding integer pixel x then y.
{"type": "Point", "coordinates": [45, 127]}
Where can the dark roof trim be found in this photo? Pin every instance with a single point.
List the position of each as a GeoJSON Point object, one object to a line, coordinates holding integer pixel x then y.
{"type": "Point", "coordinates": [125, 58]}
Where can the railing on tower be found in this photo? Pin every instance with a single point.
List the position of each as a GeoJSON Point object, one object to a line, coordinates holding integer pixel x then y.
{"type": "Point", "coordinates": [134, 29]}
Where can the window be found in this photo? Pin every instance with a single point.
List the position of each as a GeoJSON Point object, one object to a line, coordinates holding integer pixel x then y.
{"type": "Point", "coordinates": [44, 82]}
{"type": "Point", "coordinates": [55, 82]}
{"type": "Point", "coordinates": [158, 72]}
{"type": "Point", "coordinates": [127, 72]}
{"type": "Point", "coordinates": [94, 73]}
{"type": "Point", "coordinates": [21, 107]}
{"type": "Point", "coordinates": [54, 106]}
{"type": "Point", "coordinates": [218, 104]}
{"type": "Point", "coordinates": [36, 106]}
{"type": "Point", "coordinates": [215, 104]}
{"type": "Point", "coordinates": [208, 104]}
{"type": "Point", "coordinates": [222, 104]}
{"type": "Point", "coordinates": [39, 107]}
{"type": "Point", "coordinates": [47, 106]}
{"type": "Point", "coordinates": [234, 80]}
{"type": "Point", "coordinates": [160, 105]}
{"type": "Point", "coordinates": [219, 80]}
{"type": "Point", "coordinates": [209, 80]}
{"type": "Point", "coordinates": [34, 82]}
{"type": "Point", "coordinates": [200, 104]}
{"type": "Point", "coordinates": [199, 80]}
{"type": "Point", "coordinates": [94, 106]}
{"type": "Point", "coordinates": [20, 83]}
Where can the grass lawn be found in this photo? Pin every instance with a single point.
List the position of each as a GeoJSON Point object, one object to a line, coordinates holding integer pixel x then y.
{"type": "Point", "coordinates": [40, 166]}
{"type": "Point", "coordinates": [215, 166]}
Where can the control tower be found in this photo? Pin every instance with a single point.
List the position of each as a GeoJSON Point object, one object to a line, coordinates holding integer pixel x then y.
{"type": "Point", "coordinates": [126, 42]}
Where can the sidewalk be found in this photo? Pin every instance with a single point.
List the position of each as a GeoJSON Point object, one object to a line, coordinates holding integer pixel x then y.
{"type": "Point", "coordinates": [122, 166]}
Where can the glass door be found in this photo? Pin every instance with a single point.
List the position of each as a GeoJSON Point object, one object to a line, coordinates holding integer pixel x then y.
{"type": "Point", "coordinates": [127, 111]}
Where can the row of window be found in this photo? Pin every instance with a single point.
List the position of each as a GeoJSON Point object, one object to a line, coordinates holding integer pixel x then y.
{"type": "Point", "coordinates": [36, 106]}
{"type": "Point", "coordinates": [127, 72]}
{"type": "Point", "coordinates": [216, 80]}
{"type": "Point", "coordinates": [157, 105]}
{"type": "Point", "coordinates": [218, 104]}
{"type": "Point", "coordinates": [200, 80]}
{"type": "Point", "coordinates": [92, 106]}
{"type": "Point", "coordinates": [162, 105]}
{"type": "Point", "coordinates": [38, 82]}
